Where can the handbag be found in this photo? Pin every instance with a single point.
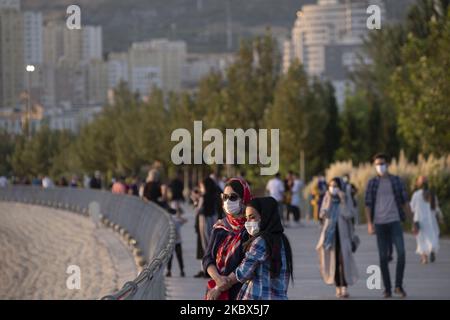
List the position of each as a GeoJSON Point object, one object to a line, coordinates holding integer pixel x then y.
{"type": "Point", "coordinates": [355, 243]}
{"type": "Point", "coordinates": [211, 285]}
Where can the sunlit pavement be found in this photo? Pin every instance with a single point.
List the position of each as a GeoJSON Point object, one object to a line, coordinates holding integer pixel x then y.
{"type": "Point", "coordinates": [431, 281]}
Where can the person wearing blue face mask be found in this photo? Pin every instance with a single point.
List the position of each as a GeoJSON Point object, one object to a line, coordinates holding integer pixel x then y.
{"type": "Point", "coordinates": [387, 206]}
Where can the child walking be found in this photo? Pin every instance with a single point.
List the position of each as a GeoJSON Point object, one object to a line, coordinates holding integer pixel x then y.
{"type": "Point", "coordinates": [178, 220]}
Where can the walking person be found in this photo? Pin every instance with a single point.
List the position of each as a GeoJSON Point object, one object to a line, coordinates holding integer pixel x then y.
{"type": "Point", "coordinates": [119, 186]}
{"type": "Point", "coordinates": [153, 189]}
{"type": "Point", "coordinates": [288, 184]}
{"type": "Point", "coordinates": [176, 187]}
{"type": "Point", "coordinates": [314, 200]}
{"type": "Point", "coordinates": [335, 247]}
{"type": "Point", "coordinates": [63, 182]}
{"type": "Point", "coordinates": [195, 198]}
{"type": "Point", "coordinates": [351, 191]}
{"type": "Point", "coordinates": [133, 187]}
{"type": "Point", "coordinates": [322, 186]}
{"type": "Point", "coordinates": [265, 271]}
{"type": "Point", "coordinates": [275, 189]}
{"type": "Point", "coordinates": [3, 182]}
{"type": "Point", "coordinates": [207, 215]}
{"type": "Point", "coordinates": [96, 181]}
{"type": "Point", "coordinates": [179, 221]}
{"type": "Point", "coordinates": [425, 207]}
{"type": "Point", "coordinates": [47, 182]}
{"type": "Point", "coordinates": [387, 205]}
{"type": "Point", "coordinates": [317, 194]}
{"type": "Point", "coordinates": [295, 202]}
{"type": "Point", "coordinates": [74, 182]}
{"type": "Point", "coordinates": [225, 250]}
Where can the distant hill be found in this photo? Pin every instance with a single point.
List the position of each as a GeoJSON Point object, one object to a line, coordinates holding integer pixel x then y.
{"type": "Point", "coordinates": [202, 23]}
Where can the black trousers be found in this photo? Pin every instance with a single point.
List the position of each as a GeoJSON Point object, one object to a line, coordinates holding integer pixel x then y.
{"type": "Point", "coordinates": [390, 234]}
{"type": "Point", "coordinates": [339, 276]}
{"type": "Point", "coordinates": [179, 253]}
{"type": "Point", "coordinates": [295, 211]}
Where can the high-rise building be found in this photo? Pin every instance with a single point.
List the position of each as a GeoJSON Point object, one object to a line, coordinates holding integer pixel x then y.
{"type": "Point", "coordinates": [92, 43]}
{"type": "Point", "coordinates": [162, 58]}
{"type": "Point", "coordinates": [74, 69]}
{"type": "Point", "coordinates": [11, 53]}
{"type": "Point", "coordinates": [199, 65]}
{"type": "Point", "coordinates": [10, 4]}
{"type": "Point", "coordinates": [72, 46]}
{"type": "Point", "coordinates": [53, 39]}
{"type": "Point", "coordinates": [33, 37]}
{"type": "Point", "coordinates": [33, 54]}
{"type": "Point", "coordinates": [326, 38]}
{"type": "Point", "coordinates": [96, 82]}
{"type": "Point", "coordinates": [53, 48]}
{"type": "Point", "coordinates": [117, 69]}
{"type": "Point", "coordinates": [144, 79]}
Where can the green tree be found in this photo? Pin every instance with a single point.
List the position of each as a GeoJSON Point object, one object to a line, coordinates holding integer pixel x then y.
{"type": "Point", "coordinates": [301, 116]}
{"type": "Point", "coordinates": [382, 76]}
{"type": "Point", "coordinates": [332, 131]}
{"type": "Point", "coordinates": [6, 151]}
{"type": "Point", "coordinates": [251, 82]}
{"type": "Point", "coordinates": [36, 156]}
{"type": "Point", "coordinates": [353, 124]}
{"type": "Point", "coordinates": [420, 89]}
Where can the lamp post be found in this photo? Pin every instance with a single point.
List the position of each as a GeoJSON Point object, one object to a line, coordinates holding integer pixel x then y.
{"type": "Point", "coordinates": [30, 69]}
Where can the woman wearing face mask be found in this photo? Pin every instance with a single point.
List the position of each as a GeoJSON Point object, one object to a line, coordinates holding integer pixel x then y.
{"type": "Point", "coordinates": [426, 212]}
{"type": "Point", "coordinates": [225, 250]}
{"type": "Point", "coordinates": [267, 266]}
{"type": "Point", "coordinates": [337, 265]}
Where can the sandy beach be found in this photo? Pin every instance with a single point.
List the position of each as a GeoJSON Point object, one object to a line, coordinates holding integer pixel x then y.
{"type": "Point", "coordinates": [38, 244]}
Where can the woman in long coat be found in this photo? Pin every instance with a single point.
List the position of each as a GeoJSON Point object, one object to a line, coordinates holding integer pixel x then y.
{"type": "Point", "coordinates": [337, 264]}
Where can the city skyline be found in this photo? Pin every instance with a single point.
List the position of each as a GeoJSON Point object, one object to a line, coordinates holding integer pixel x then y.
{"type": "Point", "coordinates": [73, 71]}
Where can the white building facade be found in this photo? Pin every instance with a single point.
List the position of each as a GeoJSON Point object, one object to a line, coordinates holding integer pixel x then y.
{"type": "Point", "coordinates": [326, 39]}
{"type": "Point", "coordinates": [33, 37]}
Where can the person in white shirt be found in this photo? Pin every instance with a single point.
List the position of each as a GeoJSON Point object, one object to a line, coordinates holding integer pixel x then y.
{"type": "Point", "coordinates": [275, 188]}
{"type": "Point", "coordinates": [296, 199]}
{"type": "Point", "coordinates": [3, 182]}
{"type": "Point", "coordinates": [426, 211]}
{"type": "Point", "coordinates": [47, 182]}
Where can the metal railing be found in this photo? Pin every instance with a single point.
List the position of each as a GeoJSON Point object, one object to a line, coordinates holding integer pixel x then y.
{"type": "Point", "coordinates": [149, 226]}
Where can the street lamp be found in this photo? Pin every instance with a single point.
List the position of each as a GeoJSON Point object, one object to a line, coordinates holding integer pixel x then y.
{"type": "Point", "coordinates": [29, 68]}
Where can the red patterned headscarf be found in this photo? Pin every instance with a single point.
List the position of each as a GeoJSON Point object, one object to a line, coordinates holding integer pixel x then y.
{"type": "Point", "coordinates": [247, 196]}
{"type": "Point", "coordinates": [234, 227]}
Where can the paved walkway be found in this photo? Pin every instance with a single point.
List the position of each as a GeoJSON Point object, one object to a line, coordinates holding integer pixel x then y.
{"type": "Point", "coordinates": [430, 281]}
{"type": "Point", "coordinates": [37, 244]}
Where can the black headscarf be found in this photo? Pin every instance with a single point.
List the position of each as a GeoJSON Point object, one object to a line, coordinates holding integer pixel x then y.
{"type": "Point", "coordinates": [271, 230]}
{"type": "Point", "coordinates": [210, 198]}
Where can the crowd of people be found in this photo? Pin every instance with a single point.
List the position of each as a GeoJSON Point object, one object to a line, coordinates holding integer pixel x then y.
{"type": "Point", "coordinates": [387, 206]}
{"type": "Point", "coordinates": [241, 244]}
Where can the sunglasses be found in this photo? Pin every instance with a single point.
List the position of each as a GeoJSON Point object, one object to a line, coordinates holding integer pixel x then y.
{"type": "Point", "coordinates": [231, 196]}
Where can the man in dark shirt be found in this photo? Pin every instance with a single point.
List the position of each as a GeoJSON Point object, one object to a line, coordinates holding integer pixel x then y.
{"type": "Point", "coordinates": [386, 207]}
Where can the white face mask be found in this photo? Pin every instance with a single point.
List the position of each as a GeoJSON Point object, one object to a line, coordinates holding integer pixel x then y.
{"type": "Point", "coordinates": [252, 227]}
{"type": "Point", "coordinates": [381, 169]}
{"type": "Point", "coordinates": [333, 190]}
{"type": "Point", "coordinates": [232, 207]}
